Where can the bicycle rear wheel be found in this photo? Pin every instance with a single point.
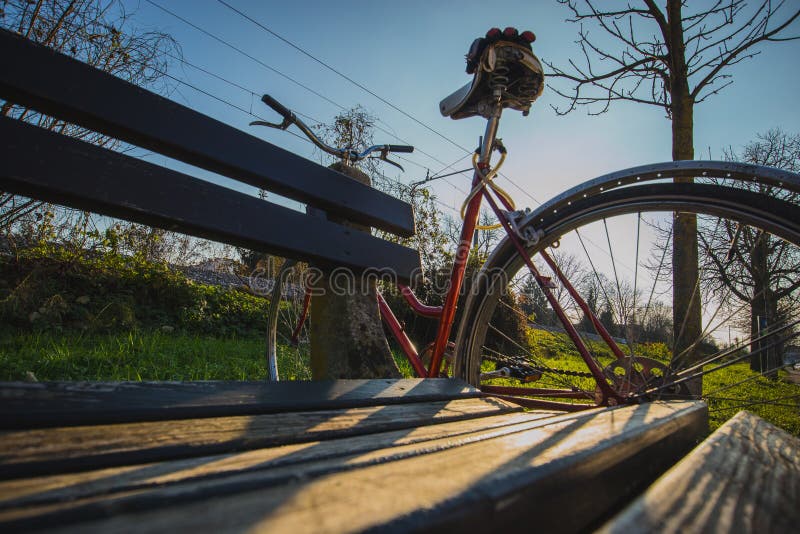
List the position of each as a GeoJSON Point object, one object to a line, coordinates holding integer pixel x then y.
{"type": "Point", "coordinates": [614, 244]}
{"type": "Point", "coordinates": [288, 325]}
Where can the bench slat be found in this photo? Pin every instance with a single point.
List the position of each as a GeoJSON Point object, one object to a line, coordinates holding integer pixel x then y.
{"type": "Point", "coordinates": [33, 75]}
{"type": "Point", "coordinates": [87, 484]}
{"type": "Point", "coordinates": [48, 404]}
{"type": "Point", "coordinates": [62, 450]}
{"type": "Point", "coordinates": [744, 478]}
{"type": "Point", "coordinates": [83, 485]}
{"type": "Point", "coordinates": [106, 492]}
{"type": "Point", "coordinates": [62, 170]}
{"type": "Point", "coordinates": [557, 475]}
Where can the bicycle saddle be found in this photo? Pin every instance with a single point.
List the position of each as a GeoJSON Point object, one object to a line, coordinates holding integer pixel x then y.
{"type": "Point", "coordinates": [504, 60]}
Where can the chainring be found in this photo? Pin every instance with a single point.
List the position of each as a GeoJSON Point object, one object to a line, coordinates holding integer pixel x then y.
{"type": "Point", "coordinates": [631, 376]}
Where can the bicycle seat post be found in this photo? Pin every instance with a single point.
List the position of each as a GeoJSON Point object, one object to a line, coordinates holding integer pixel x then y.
{"type": "Point", "coordinates": [492, 125]}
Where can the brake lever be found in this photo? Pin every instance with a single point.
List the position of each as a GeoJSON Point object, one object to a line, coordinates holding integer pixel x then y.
{"type": "Point", "coordinates": [282, 126]}
{"type": "Point", "coordinates": [387, 160]}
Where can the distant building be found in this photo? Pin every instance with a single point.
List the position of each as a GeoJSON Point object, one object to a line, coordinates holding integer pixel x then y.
{"type": "Point", "coordinates": [218, 265]}
{"type": "Point", "coordinates": [791, 356]}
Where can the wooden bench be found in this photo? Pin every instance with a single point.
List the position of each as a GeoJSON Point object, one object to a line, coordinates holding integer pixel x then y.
{"type": "Point", "coordinates": [48, 166]}
{"type": "Point", "coordinates": [744, 478]}
{"type": "Point", "coordinates": [417, 454]}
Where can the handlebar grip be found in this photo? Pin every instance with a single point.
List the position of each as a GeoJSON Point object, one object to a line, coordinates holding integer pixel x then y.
{"type": "Point", "coordinates": [400, 148]}
{"type": "Point", "coordinates": [277, 106]}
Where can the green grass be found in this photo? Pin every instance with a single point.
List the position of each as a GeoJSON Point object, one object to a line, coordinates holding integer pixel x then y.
{"type": "Point", "coordinates": [756, 394]}
{"type": "Point", "coordinates": [51, 290]}
{"type": "Point", "coordinates": [148, 355]}
{"type": "Point", "coordinates": [138, 355]}
{"type": "Point", "coordinates": [158, 355]}
{"type": "Point", "coordinates": [403, 364]}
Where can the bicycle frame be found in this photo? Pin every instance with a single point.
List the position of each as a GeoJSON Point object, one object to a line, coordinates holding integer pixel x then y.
{"type": "Point", "coordinates": [446, 313]}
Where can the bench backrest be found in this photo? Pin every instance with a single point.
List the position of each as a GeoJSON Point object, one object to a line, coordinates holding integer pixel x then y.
{"type": "Point", "coordinates": [59, 169]}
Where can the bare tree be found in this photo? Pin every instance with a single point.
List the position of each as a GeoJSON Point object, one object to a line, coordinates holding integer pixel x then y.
{"type": "Point", "coordinates": [672, 57]}
{"type": "Point", "coordinates": [96, 32]}
{"type": "Point", "coordinates": [758, 269]}
{"type": "Point", "coordinates": [573, 269]}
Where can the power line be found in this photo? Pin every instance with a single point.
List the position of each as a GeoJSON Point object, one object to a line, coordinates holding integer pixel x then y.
{"type": "Point", "coordinates": [364, 88]}
{"type": "Point", "coordinates": [215, 97]}
{"type": "Point", "coordinates": [300, 84]}
{"type": "Point", "coordinates": [253, 93]}
{"type": "Point", "coordinates": [231, 83]}
{"type": "Point", "coordinates": [283, 75]}
{"type": "Point", "coordinates": [250, 113]}
{"type": "Point", "coordinates": [240, 51]}
{"type": "Point", "coordinates": [339, 73]}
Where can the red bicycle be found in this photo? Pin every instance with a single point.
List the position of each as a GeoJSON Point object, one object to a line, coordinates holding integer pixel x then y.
{"type": "Point", "coordinates": [747, 216]}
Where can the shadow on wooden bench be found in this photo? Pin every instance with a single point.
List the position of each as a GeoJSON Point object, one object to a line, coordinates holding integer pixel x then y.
{"type": "Point", "coordinates": [744, 478]}
{"type": "Point", "coordinates": [415, 454]}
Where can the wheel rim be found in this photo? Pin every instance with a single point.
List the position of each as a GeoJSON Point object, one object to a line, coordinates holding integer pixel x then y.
{"type": "Point", "coordinates": [288, 325]}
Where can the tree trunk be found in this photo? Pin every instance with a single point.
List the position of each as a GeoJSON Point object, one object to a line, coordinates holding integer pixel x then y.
{"type": "Point", "coordinates": [347, 339]}
{"type": "Point", "coordinates": [686, 313]}
{"type": "Point", "coordinates": [767, 354]}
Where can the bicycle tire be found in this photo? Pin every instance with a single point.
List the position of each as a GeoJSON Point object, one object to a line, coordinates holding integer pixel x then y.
{"type": "Point", "coordinates": [600, 199]}
{"type": "Point", "coordinates": [282, 319]}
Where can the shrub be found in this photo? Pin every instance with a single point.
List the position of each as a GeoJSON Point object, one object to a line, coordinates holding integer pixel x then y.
{"type": "Point", "coordinates": [48, 288]}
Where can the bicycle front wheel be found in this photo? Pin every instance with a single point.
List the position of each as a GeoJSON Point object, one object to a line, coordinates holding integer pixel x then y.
{"type": "Point", "coordinates": [611, 240]}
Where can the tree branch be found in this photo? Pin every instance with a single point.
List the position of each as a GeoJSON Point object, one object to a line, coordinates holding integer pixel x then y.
{"type": "Point", "coordinates": [732, 55]}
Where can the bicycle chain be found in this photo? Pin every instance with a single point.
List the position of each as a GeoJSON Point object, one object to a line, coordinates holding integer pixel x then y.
{"type": "Point", "coordinates": [581, 374]}
{"type": "Point", "coordinates": [510, 361]}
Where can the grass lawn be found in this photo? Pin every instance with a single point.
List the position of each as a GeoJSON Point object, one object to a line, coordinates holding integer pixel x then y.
{"type": "Point", "coordinates": [146, 355]}
{"type": "Point", "coordinates": [157, 355]}
{"type": "Point", "coordinates": [132, 356]}
{"type": "Point", "coordinates": [775, 399]}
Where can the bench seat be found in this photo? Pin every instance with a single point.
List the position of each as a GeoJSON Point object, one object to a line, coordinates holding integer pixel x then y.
{"type": "Point", "coordinates": [744, 478]}
{"type": "Point", "coordinates": [408, 455]}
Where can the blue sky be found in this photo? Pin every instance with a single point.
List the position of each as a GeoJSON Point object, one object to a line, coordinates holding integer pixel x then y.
{"type": "Point", "coordinates": [411, 54]}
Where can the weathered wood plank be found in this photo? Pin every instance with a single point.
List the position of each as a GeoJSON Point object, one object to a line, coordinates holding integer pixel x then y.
{"type": "Point", "coordinates": [61, 450]}
{"type": "Point", "coordinates": [107, 104]}
{"type": "Point", "coordinates": [744, 478]}
{"type": "Point", "coordinates": [55, 168]}
{"type": "Point", "coordinates": [49, 404]}
{"type": "Point", "coordinates": [73, 487]}
{"type": "Point", "coordinates": [555, 476]}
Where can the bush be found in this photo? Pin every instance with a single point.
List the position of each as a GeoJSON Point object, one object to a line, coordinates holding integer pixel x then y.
{"type": "Point", "coordinates": [49, 289]}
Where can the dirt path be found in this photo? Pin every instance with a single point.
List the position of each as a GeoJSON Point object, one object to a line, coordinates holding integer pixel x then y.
{"type": "Point", "coordinates": [793, 376]}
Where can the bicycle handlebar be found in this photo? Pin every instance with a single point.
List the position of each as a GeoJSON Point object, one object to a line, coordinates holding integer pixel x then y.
{"type": "Point", "coordinates": [347, 153]}
{"type": "Point", "coordinates": [400, 148]}
{"type": "Point", "coordinates": [279, 108]}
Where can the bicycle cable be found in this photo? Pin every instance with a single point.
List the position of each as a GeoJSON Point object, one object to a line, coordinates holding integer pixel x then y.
{"type": "Point", "coordinates": [486, 179]}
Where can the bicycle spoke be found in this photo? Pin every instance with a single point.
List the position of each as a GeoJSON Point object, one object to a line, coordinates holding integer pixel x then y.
{"type": "Point", "coordinates": [657, 276]}
{"type": "Point", "coordinates": [772, 402]}
{"type": "Point", "coordinates": [575, 308]}
{"type": "Point", "coordinates": [616, 276]}
{"type": "Point", "coordinates": [697, 369]}
{"type": "Point", "coordinates": [636, 267]}
{"type": "Point", "coordinates": [594, 269]}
